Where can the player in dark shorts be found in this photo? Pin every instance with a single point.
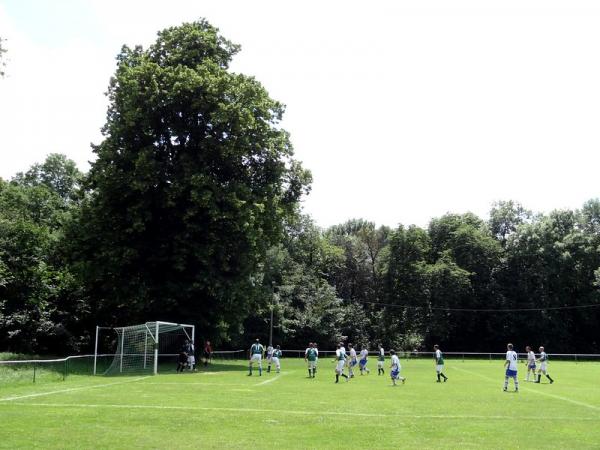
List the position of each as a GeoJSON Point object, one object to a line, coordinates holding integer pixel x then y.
{"type": "Point", "coordinates": [182, 359]}
{"type": "Point", "coordinates": [207, 353]}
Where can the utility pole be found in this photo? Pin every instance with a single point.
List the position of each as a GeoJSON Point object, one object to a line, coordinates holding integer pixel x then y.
{"type": "Point", "coordinates": [272, 307]}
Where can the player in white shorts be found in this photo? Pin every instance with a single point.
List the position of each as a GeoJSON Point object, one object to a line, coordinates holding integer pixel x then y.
{"type": "Point", "coordinates": [340, 363]}
{"type": "Point", "coordinates": [395, 368]}
{"type": "Point", "coordinates": [543, 360]}
{"type": "Point", "coordinates": [275, 357]}
{"type": "Point", "coordinates": [310, 356]}
{"type": "Point", "coordinates": [191, 351]}
{"type": "Point", "coordinates": [364, 357]}
{"type": "Point", "coordinates": [530, 363]}
{"type": "Point", "coordinates": [380, 361]}
{"type": "Point", "coordinates": [256, 355]}
{"type": "Point", "coordinates": [269, 355]}
{"type": "Point", "coordinates": [439, 364]}
{"type": "Point", "coordinates": [511, 368]}
{"type": "Point", "coordinates": [352, 360]}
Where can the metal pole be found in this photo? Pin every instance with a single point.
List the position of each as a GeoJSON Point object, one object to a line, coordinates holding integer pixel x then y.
{"type": "Point", "coordinates": [156, 350]}
{"type": "Point", "coordinates": [271, 328]}
{"type": "Point", "coordinates": [122, 342]}
{"type": "Point", "coordinates": [96, 349]}
{"type": "Point", "coordinates": [145, 346]}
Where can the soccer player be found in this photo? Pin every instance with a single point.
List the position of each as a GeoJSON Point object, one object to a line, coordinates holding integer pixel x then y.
{"type": "Point", "coordinates": [395, 368]}
{"type": "Point", "coordinates": [182, 360]}
{"type": "Point", "coordinates": [207, 352]}
{"type": "Point", "coordinates": [340, 359]}
{"type": "Point", "coordinates": [511, 368]}
{"type": "Point", "coordinates": [269, 357]}
{"type": "Point", "coordinates": [275, 356]}
{"type": "Point", "coordinates": [256, 354]}
{"type": "Point", "coordinates": [380, 361]}
{"type": "Point", "coordinates": [191, 352]}
{"type": "Point", "coordinates": [310, 356]}
{"type": "Point", "coordinates": [530, 363]}
{"type": "Point", "coordinates": [352, 361]}
{"type": "Point", "coordinates": [364, 356]}
{"type": "Point", "coordinates": [543, 360]}
{"type": "Point", "coordinates": [439, 363]}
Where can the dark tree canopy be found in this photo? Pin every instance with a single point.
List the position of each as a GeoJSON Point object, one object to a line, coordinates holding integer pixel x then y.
{"type": "Point", "coordinates": [191, 186]}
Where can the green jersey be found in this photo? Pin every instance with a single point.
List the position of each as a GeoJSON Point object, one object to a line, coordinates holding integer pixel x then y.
{"type": "Point", "coordinates": [257, 349]}
{"type": "Point", "coordinates": [341, 355]}
{"type": "Point", "coordinates": [311, 354]}
{"type": "Point", "coordinates": [381, 356]}
{"type": "Point", "coordinates": [276, 353]}
{"type": "Point", "coordinates": [439, 358]}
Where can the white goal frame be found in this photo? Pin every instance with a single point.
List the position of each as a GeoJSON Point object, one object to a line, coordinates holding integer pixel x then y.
{"type": "Point", "coordinates": [152, 332]}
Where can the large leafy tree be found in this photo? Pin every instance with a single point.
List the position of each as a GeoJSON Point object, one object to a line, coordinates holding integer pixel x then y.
{"type": "Point", "coordinates": [191, 185]}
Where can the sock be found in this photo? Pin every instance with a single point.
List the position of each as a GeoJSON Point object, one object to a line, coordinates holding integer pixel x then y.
{"type": "Point", "coordinates": [505, 383]}
{"type": "Point", "coordinates": [445, 377]}
{"type": "Point", "coordinates": [551, 380]}
{"type": "Point", "coordinates": [250, 370]}
{"type": "Point", "coordinates": [309, 373]}
{"type": "Point", "coordinates": [344, 375]}
{"type": "Point", "coordinates": [516, 384]}
{"type": "Point", "coordinates": [527, 379]}
{"type": "Point", "coordinates": [259, 370]}
{"type": "Point", "coordinates": [337, 377]}
{"type": "Point", "coordinates": [314, 371]}
{"type": "Point", "coordinates": [539, 378]}
{"type": "Point", "coordinates": [438, 377]}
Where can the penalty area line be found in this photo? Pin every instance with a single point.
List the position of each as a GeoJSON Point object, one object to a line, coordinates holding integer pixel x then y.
{"type": "Point", "coordinates": [547, 394]}
{"type": "Point", "coordinates": [300, 412]}
{"type": "Point", "coordinates": [62, 391]}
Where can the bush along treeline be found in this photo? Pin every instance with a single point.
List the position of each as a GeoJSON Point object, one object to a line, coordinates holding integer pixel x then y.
{"type": "Point", "coordinates": [191, 213]}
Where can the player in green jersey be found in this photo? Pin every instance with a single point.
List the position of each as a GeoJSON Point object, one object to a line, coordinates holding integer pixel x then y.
{"type": "Point", "coordinates": [310, 356]}
{"type": "Point", "coordinates": [256, 354]}
{"type": "Point", "coordinates": [380, 361]}
{"type": "Point", "coordinates": [439, 363]}
{"type": "Point", "coordinates": [276, 357]}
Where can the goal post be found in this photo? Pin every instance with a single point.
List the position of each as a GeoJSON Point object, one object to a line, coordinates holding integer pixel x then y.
{"type": "Point", "coordinates": [140, 348]}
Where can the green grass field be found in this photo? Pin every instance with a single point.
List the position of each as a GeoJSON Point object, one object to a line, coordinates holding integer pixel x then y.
{"type": "Point", "coordinates": [224, 408]}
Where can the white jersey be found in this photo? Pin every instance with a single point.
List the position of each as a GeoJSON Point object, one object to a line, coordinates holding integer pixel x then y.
{"type": "Point", "coordinates": [530, 357]}
{"type": "Point", "coordinates": [364, 353]}
{"type": "Point", "coordinates": [269, 351]}
{"type": "Point", "coordinates": [511, 357]}
{"type": "Point", "coordinates": [352, 354]}
{"type": "Point", "coordinates": [395, 362]}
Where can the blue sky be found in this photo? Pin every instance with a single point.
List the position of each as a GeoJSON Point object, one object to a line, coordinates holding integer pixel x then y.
{"type": "Point", "coordinates": [402, 110]}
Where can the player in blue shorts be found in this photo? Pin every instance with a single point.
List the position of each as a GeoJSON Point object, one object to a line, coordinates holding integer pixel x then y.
{"type": "Point", "coordinates": [511, 368]}
{"type": "Point", "coordinates": [364, 357]}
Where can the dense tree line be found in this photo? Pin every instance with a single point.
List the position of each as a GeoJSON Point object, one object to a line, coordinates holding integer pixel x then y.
{"type": "Point", "coordinates": [191, 213]}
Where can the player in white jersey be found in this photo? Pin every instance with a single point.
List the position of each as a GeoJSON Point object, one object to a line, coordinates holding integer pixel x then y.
{"type": "Point", "coordinates": [364, 357]}
{"type": "Point", "coordinates": [340, 363]}
{"type": "Point", "coordinates": [395, 368]}
{"type": "Point", "coordinates": [543, 360]}
{"type": "Point", "coordinates": [352, 360]}
{"type": "Point", "coordinates": [269, 357]}
{"type": "Point", "coordinates": [256, 355]}
{"type": "Point", "coordinates": [530, 363]}
{"type": "Point", "coordinates": [511, 368]}
{"type": "Point", "coordinates": [275, 357]}
{"type": "Point", "coordinates": [380, 361]}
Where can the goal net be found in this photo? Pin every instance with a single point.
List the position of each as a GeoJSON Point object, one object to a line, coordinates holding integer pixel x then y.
{"type": "Point", "coordinates": [145, 348]}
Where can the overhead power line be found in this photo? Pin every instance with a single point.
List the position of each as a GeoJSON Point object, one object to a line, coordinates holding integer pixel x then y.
{"type": "Point", "coordinates": [436, 308]}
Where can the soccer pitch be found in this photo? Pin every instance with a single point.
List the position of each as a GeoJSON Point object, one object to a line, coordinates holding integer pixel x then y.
{"type": "Point", "coordinates": [225, 408]}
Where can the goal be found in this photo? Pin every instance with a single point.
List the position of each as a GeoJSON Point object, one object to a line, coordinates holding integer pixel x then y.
{"type": "Point", "coordinates": [141, 348]}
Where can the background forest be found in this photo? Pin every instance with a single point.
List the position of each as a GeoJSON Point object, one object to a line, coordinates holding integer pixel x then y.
{"type": "Point", "coordinates": [191, 213]}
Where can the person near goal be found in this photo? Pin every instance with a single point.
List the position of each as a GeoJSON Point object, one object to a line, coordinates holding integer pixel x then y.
{"type": "Point", "coordinates": [276, 357]}
{"type": "Point", "coordinates": [207, 353]}
{"type": "Point", "coordinates": [310, 356]}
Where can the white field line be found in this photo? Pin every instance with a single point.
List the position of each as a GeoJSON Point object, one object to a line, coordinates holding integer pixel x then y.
{"type": "Point", "coordinates": [558, 397]}
{"type": "Point", "coordinates": [300, 412]}
{"type": "Point", "coordinates": [270, 380]}
{"type": "Point", "coordinates": [183, 383]}
{"type": "Point", "coordinates": [62, 391]}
